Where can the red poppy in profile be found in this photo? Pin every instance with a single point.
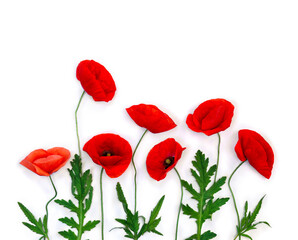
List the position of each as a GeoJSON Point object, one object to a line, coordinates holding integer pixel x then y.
{"type": "Point", "coordinates": [162, 158]}
{"type": "Point", "coordinates": [151, 118]}
{"type": "Point", "coordinates": [253, 147]}
{"type": "Point", "coordinates": [45, 162]}
{"type": "Point", "coordinates": [110, 151]}
{"type": "Point", "coordinates": [96, 80]}
{"type": "Point", "coordinates": [211, 116]}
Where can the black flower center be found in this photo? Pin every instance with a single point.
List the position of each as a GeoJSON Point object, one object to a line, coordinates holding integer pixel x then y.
{"type": "Point", "coordinates": [106, 154]}
{"type": "Point", "coordinates": [168, 162]}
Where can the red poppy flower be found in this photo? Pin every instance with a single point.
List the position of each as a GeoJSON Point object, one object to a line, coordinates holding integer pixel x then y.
{"type": "Point", "coordinates": [162, 158]}
{"type": "Point", "coordinates": [253, 147]}
{"type": "Point", "coordinates": [211, 117]}
{"type": "Point", "coordinates": [96, 80]}
{"type": "Point", "coordinates": [151, 118]}
{"type": "Point", "coordinates": [46, 162]}
{"type": "Point", "coordinates": [110, 151]}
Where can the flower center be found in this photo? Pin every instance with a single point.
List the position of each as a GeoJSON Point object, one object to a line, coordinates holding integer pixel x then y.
{"type": "Point", "coordinates": [106, 154]}
{"type": "Point", "coordinates": [168, 162]}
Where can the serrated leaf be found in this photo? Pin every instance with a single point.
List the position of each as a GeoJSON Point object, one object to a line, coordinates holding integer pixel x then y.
{"type": "Point", "coordinates": [187, 210]}
{"type": "Point", "coordinates": [131, 223]}
{"type": "Point", "coordinates": [69, 222]}
{"type": "Point", "coordinates": [45, 223]}
{"type": "Point", "coordinates": [156, 209]}
{"type": "Point", "coordinates": [121, 196]}
{"type": "Point", "coordinates": [256, 211]}
{"type": "Point", "coordinates": [33, 228]}
{"type": "Point", "coordinates": [90, 225]}
{"type": "Point", "coordinates": [28, 214]}
{"type": "Point", "coordinates": [68, 235]}
{"type": "Point", "coordinates": [247, 222]}
{"type": "Point", "coordinates": [208, 235]}
{"type": "Point", "coordinates": [67, 204]}
{"type": "Point", "coordinates": [190, 189]}
{"type": "Point", "coordinates": [206, 204]}
{"type": "Point", "coordinates": [82, 190]}
{"type": "Point", "coordinates": [212, 207]}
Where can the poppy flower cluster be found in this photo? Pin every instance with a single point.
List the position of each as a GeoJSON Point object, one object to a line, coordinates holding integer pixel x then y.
{"type": "Point", "coordinates": [115, 154]}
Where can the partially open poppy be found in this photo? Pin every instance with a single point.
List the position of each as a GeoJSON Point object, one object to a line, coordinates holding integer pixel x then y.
{"type": "Point", "coordinates": [163, 157]}
{"type": "Point", "coordinates": [45, 162]}
{"type": "Point", "coordinates": [211, 116]}
{"type": "Point", "coordinates": [96, 80]}
{"type": "Point", "coordinates": [151, 118]}
{"type": "Point", "coordinates": [253, 147]}
{"type": "Point", "coordinates": [110, 151]}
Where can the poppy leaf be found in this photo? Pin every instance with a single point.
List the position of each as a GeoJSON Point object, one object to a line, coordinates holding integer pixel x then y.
{"type": "Point", "coordinates": [207, 205]}
{"type": "Point", "coordinates": [70, 235]}
{"type": "Point", "coordinates": [132, 222]}
{"type": "Point", "coordinates": [247, 222]}
{"type": "Point", "coordinates": [36, 226]}
{"type": "Point", "coordinates": [208, 235]}
{"type": "Point", "coordinates": [82, 190]}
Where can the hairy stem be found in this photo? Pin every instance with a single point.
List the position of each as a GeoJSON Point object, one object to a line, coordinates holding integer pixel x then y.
{"type": "Point", "coordinates": [101, 203]}
{"type": "Point", "coordinates": [134, 166]}
{"type": "Point", "coordinates": [77, 128]}
{"type": "Point", "coordinates": [218, 151]}
{"type": "Point", "coordinates": [180, 205]}
{"type": "Point", "coordinates": [234, 200]}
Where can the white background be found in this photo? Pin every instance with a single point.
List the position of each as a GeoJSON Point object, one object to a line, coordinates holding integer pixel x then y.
{"type": "Point", "coordinates": [175, 54]}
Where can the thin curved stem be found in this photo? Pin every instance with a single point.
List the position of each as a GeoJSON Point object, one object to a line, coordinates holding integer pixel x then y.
{"type": "Point", "coordinates": [180, 205]}
{"type": "Point", "coordinates": [234, 200]}
{"type": "Point", "coordinates": [134, 166]}
{"type": "Point", "coordinates": [218, 151]}
{"type": "Point", "coordinates": [101, 203]}
{"type": "Point", "coordinates": [77, 128]}
{"type": "Point", "coordinates": [47, 212]}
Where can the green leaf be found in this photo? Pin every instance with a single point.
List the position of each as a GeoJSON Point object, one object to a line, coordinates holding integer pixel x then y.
{"type": "Point", "coordinates": [67, 204]}
{"type": "Point", "coordinates": [247, 222]}
{"type": "Point", "coordinates": [68, 235]}
{"type": "Point", "coordinates": [156, 209]}
{"type": "Point", "coordinates": [207, 205]}
{"type": "Point", "coordinates": [192, 237]}
{"type": "Point", "coordinates": [208, 235]}
{"type": "Point", "coordinates": [82, 191]}
{"type": "Point", "coordinates": [132, 226]}
{"type": "Point", "coordinates": [33, 228]}
{"type": "Point", "coordinates": [69, 222]}
{"type": "Point", "coordinates": [38, 227]}
{"type": "Point", "coordinates": [90, 225]}
{"type": "Point", "coordinates": [187, 210]}
{"type": "Point", "coordinates": [28, 214]}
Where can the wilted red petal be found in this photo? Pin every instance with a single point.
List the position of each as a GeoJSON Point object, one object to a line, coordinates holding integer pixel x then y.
{"type": "Point", "coordinates": [156, 165]}
{"type": "Point", "coordinates": [211, 116]}
{"type": "Point", "coordinates": [119, 151]}
{"type": "Point", "coordinates": [96, 80]}
{"type": "Point", "coordinates": [151, 118]}
{"type": "Point", "coordinates": [253, 147]}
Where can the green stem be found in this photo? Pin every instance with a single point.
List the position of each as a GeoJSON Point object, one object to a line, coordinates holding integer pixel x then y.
{"type": "Point", "coordinates": [218, 150]}
{"type": "Point", "coordinates": [234, 200]}
{"type": "Point", "coordinates": [81, 220]}
{"type": "Point", "coordinates": [77, 128]}
{"type": "Point", "coordinates": [134, 166]}
{"type": "Point", "coordinates": [199, 222]}
{"type": "Point", "coordinates": [47, 212]}
{"type": "Point", "coordinates": [180, 205]}
{"type": "Point", "coordinates": [101, 202]}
